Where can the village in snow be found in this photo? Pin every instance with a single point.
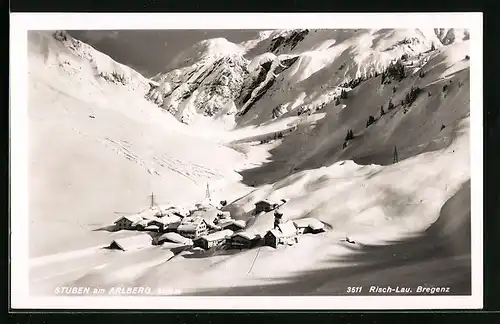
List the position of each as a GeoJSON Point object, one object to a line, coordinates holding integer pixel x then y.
{"type": "Point", "coordinates": [207, 226]}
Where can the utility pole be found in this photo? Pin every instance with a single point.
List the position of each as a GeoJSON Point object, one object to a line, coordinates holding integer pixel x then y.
{"type": "Point", "coordinates": [207, 193]}
{"type": "Point", "coordinates": [395, 160]}
{"type": "Point", "coordinates": [152, 199]}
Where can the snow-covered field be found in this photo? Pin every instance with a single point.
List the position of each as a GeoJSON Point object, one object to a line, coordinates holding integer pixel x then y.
{"type": "Point", "coordinates": [99, 147]}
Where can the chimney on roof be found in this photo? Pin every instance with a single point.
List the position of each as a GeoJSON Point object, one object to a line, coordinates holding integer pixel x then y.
{"type": "Point", "coordinates": [277, 219]}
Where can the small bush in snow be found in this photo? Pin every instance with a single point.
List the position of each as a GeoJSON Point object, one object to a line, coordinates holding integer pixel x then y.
{"type": "Point", "coordinates": [337, 101]}
{"type": "Point", "coordinates": [382, 112]}
{"type": "Point", "coordinates": [445, 87]}
{"type": "Point", "coordinates": [467, 57]}
{"type": "Point", "coordinates": [394, 89]}
{"type": "Point", "coordinates": [442, 127]}
{"type": "Point", "coordinates": [404, 57]}
{"type": "Point", "coordinates": [421, 73]}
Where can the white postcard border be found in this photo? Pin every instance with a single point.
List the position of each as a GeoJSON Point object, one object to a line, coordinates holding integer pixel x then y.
{"type": "Point", "coordinates": [21, 23]}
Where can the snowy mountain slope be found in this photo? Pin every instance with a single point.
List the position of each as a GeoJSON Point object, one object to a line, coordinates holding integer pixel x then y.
{"type": "Point", "coordinates": [204, 87]}
{"type": "Point", "coordinates": [423, 125]}
{"type": "Point", "coordinates": [98, 147]}
{"type": "Point", "coordinates": [290, 85]}
{"type": "Point", "coordinates": [214, 73]}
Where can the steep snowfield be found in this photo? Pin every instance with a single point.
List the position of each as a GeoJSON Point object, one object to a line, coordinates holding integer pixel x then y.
{"type": "Point", "coordinates": [410, 220]}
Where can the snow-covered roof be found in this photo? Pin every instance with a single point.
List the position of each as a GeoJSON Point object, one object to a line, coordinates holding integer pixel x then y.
{"type": "Point", "coordinates": [313, 223]}
{"type": "Point", "coordinates": [132, 218]}
{"type": "Point", "coordinates": [173, 226]}
{"type": "Point", "coordinates": [190, 224]}
{"type": "Point", "coordinates": [151, 228]}
{"type": "Point", "coordinates": [176, 238]}
{"type": "Point", "coordinates": [265, 201]}
{"type": "Point", "coordinates": [133, 242]}
{"type": "Point", "coordinates": [275, 232]}
{"type": "Point", "coordinates": [229, 222]}
{"type": "Point", "coordinates": [272, 201]}
{"type": "Point", "coordinates": [142, 222]}
{"type": "Point", "coordinates": [249, 235]}
{"type": "Point", "coordinates": [217, 235]}
{"type": "Point", "coordinates": [287, 229]}
{"type": "Point", "coordinates": [167, 219]}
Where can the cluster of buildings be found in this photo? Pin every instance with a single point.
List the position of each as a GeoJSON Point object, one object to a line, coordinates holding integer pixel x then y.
{"type": "Point", "coordinates": [210, 227]}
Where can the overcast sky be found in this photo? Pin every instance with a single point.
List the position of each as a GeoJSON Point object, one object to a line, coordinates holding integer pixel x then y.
{"type": "Point", "coordinates": [149, 51]}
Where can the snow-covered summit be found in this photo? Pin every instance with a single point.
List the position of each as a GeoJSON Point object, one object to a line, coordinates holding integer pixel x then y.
{"type": "Point", "coordinates": [206, 50]}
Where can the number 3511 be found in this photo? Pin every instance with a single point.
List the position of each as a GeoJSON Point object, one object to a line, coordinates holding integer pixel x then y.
{"type": "Point", "coordinates": [354, 289]}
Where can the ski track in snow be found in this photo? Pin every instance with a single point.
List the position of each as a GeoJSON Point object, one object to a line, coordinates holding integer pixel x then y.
{"type": "Point", "coordinates": [192, 171]}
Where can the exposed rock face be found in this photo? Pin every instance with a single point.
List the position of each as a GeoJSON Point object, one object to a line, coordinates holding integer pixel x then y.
{"type": "Point", "coordinates": [267, 76]}
{"type": "Point", "coordinates": [208, 85]}
{"type": "Point", "coordinates": [288, 40]}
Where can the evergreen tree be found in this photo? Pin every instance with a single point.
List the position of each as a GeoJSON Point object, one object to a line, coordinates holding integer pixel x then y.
{"type": "Point", "coordinates": [343, 94]}
{"type": "Point", "coordinates": [390, 106]}
{"type": "Point", "coordinates": [382, 112]}
{"type": "Point", "coordinates": [337, 101]}
{"type": "Point", "coordinates": [370, 121]}
{"type": "Point", "coordinates": [349, 135]}
{"type": "Point", "coordinates": [433, 47]}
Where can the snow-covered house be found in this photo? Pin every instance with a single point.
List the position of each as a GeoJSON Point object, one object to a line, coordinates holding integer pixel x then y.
{"type": "Point", "coordinates": [212, 240]}
{"type": "Point", "coordinates": [284, 233]}
{"type": "Point", "coordinates": [131, 242]}
{"type": "Point", "coordinates": [173, 238]}
{"type": "Point", "coordinates": [193, 227]}
{"type": "Point", "coordinates": [244, 240]}
{"type": "Point", "coordinates": [268, 205]}
{"type": "Point", "coordinates": [142, 224]}
{"type": "Point", "coordinates": [127, 222]}
{"type": "Point", "coordinates": [163, 222]}
{"type": "Point", "coordinates": [265, 206]}
{"type": "Point", "coordinates": [309, 225]}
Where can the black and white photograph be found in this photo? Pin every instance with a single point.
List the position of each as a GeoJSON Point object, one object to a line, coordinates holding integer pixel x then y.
{"type": "Point", "coordinates": [307, 161]}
